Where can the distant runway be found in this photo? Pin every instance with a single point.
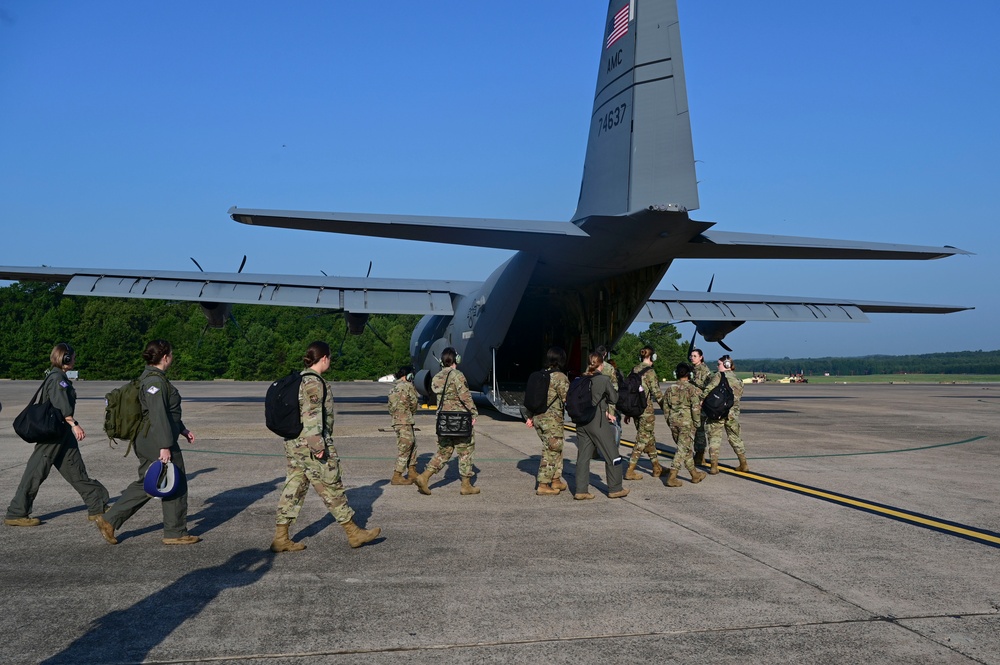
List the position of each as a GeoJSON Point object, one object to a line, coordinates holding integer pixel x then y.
{"type": "Point", "coordinates": [726, 570]}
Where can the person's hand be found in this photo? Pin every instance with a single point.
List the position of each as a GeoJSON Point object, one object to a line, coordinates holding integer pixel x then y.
{"type": "Point", "coordinates": [78, 432]}
{"type": "Point", "coordinates": [529, 422]}
{"type": "Point", "coordinates": [164, 455]}
{"type": "Point", "coordinates": [189, 435]}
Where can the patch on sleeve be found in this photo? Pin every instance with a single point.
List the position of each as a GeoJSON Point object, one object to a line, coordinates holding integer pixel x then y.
{"type": "Point", "coordinates": [64, 384]}
{"type": "Point", "coordinates": [152, 390]}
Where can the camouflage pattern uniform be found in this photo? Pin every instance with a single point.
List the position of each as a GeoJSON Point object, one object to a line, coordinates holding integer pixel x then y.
{"type": "Point", "coordinates": [403, 403]}
{"type": "Point", "coordinates": [455, 397]}
{"type": "Point", "coordinates": [682, 411]}
{"type": "Point", "coordinates": [645, 424]}
{"type": "Point", "coordinates": [699, 379]}
{"type": "Point", "coordinates": [303, 467]}
{"type": "Point", "coordinates": [731, 424]}
{"type": "Point", "coordinates": [63, 453]}
{"type": "Point", "coordinates": [549, 427]}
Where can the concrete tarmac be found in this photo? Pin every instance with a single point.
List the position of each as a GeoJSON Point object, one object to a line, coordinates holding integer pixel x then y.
{"type": "Point", "coordinates": [737, 569]}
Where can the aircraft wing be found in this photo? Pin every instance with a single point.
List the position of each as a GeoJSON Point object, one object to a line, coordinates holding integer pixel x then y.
{"type": "Point", "coordinates": [352, 294]}
{"type": "Point", "coordinates": [727, 245]}
{"type": "Point", "coordinates": [516, 234]}
{"type": "Point", "coordinates": [671, 306]}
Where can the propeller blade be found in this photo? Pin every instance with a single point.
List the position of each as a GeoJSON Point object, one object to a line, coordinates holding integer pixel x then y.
{"type": "Point", "coordinates": [324, 273]}
{"type": "Point", "coordinates": [197, 264]}
{"type": "Point", "coordinates": [340, 350]}
{"type": "Point", "coordinates": [691, 344]}
{"type": "Point", "coordinates": [377, 336]}
{"type": "Point", "coordinates": [369, 270]}
{"type": "Point", "coordinates": [710, 283]}
{"type": "Point", "coordinates": [724, 345]}
{"type": "Point", "coordinates": [242, 263]}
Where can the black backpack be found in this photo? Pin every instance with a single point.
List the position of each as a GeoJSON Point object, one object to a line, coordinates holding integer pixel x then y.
{"type": "Point", "coordinates": [632, 400]}
{"type": "Point", "coordinates": [717, 403]}
{"type": "Point", "coordinates": [579, 401]}
{"type": "Point", "coordinates": [536, 393]}
{"type": "Point", "coordinates": [281, 406]}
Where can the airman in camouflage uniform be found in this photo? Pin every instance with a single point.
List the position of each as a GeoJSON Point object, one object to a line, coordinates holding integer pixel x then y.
{"type": "Point", "coordinates": [312, 459]}
{"type": "Point", "coordinates": [682, 411]}
{"type": "Point", "coordinates": [549, 426]}
{"type": "Point", "coordinates": [731, 424]}
{"type": "Point", "coordinates": [453, 391]}
{"type": "Point", "coordinates": [699, 378]}
{"type": "Point", "coordinates": [403, 402]}
{"type": "Point", "coordinates": [645, 424]}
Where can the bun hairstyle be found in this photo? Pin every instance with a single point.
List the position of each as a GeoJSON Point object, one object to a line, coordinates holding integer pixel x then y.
{"type": "Point", "coordinates": [595, 360]}
{"type": "Point", "coordinates": [156, 350]}
{"type": "Point", "coordinates": [555, 358]}
{"type": "Point", "coordinates": [62, 355]}
{"type": "Point", "coordinates": [405, 370]}
{"type": "Point", "coordinates": [316, 352]}
{"type": "Point", "coordinates": [448, 357]}
{"type": "Point", "coordinates": [727, 362]}
{"type": "Point", "coordinates": [646, 353]}
{"type": "Point", "coordinates": [683, 370]}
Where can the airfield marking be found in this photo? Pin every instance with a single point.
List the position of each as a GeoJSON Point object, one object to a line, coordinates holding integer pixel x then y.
{"type": "Point", "coordinates": [906, 516]}
{"type": "Point", "coordinates": [899, 514]}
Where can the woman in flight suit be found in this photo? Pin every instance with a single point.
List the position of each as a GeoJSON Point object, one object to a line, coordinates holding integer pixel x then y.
{"type": "Point", "coordinates": [62, 452]}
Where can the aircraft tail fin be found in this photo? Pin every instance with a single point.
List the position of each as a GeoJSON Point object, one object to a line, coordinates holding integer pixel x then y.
{"type": "Point", "coordinates": [639, 153]}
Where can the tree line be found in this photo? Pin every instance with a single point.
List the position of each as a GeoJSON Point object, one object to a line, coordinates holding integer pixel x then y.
{"type": "Point", "coordinates": [957, 362]}
{"type": "Point", "coordinates": [109, 335]}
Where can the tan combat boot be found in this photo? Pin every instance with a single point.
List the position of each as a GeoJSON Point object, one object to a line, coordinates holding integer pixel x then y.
{"type": "Point", "coordinates": [546, 489]}
{"type": "Point", "coordinates": [422, 480]}
{"type": "Point", "coordinates": [467, 487]}
{"type": "Point", "coordinates": [620, 494]}
{"type": "Point", "coordinates": [743, 463]}
{"type": "Point", "coordinates": [672, 479]}
{"type": "Point", "coordinates": [715, 466]}
{"type": "Point", "coordinates": [356, 536]}
{"type": "Point", "coordinates": [398, 479]}
{"type": "Point", "coordinates": [559, 484]}
{"type": "Point", "coordinates": [23, 521]}
{"type": "Point", "coordinates": [282, 543]}
{"type": "Point", "coordinates": [696, 475]}
{"type": "Point", "coordinates": [412, 473]}
{"type": "Point", "coordinates": [106, 529]}
{"type": "Point", "coordinates": [630, 474]}
{"type": "Point", "coordinates": [657, 469]}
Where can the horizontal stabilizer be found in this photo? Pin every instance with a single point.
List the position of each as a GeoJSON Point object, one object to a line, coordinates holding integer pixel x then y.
{"type": "Point", "coordinates": [725, 245]}
{"type": "Point", "coordinates": [352, 294]}
{"type": "Point", "coordinates": [513, 234]}
{"type": "Point", "coordinates": [671, 306]}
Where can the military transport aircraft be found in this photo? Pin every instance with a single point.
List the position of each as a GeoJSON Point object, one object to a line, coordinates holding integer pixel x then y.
{"type": "Point", "coordinates": [578, 283]}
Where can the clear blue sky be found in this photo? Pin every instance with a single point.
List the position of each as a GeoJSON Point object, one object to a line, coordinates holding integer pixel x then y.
{"type": "Point", "coordinates": [130, 128]}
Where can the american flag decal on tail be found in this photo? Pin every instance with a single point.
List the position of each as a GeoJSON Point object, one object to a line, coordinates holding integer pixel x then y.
{"type": "Point", "coordinates": [618, 26]}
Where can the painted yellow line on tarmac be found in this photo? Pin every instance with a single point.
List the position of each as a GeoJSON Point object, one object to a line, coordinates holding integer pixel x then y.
{"type": "Point", "coordinates": [925, 521]}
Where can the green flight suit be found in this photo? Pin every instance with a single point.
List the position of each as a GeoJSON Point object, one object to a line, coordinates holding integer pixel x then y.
{"type": "Point", "coordinates": [63, 453]}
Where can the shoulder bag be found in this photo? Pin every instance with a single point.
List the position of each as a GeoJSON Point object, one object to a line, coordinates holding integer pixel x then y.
{"type": "Point", "coordinates": [454, 423]}
{"type": "Point", "coordinates": [40, 422]}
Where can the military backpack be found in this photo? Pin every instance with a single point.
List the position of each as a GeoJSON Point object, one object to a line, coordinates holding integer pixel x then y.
{"type": "Point", "coordinates": [719, 400]}
{"type": "Point", "coordinates": [579, 401]}
{"type": "Point", "coordinates": [632, 399]}
{"type": "Point", "coordinates": [123, 414]}
{"type": "Point", "coordinates": [536, 393]}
